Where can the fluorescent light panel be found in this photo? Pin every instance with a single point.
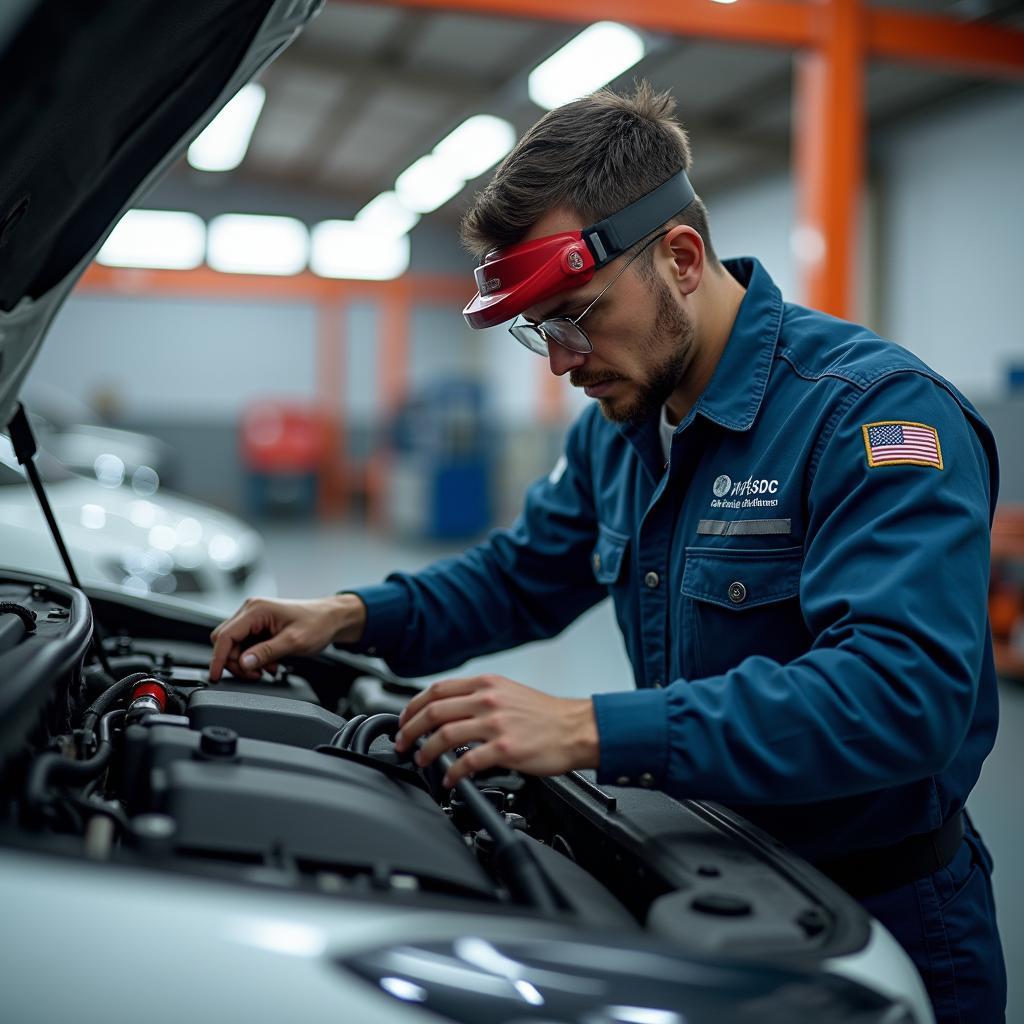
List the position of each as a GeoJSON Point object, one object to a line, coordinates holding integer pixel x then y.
{"type": "Point", "coordinates": [351, 249]}
{"type": "Point", "coordinates": [387, 214]}
{"type": "Point", "coordinates": [250, 244]}
{"type": "Point", "coordinates": [588, 61]}
{"type": "Point", "coordinates": [476, 145]}
{"type": "Point", "coordinates": [224, 141]}
{"type": "Point", "coordinates": [428, 184]}
{"type": "Point", "coordinates": [465, 153]}
{"type": "Point", "coordinates": [158, 239]}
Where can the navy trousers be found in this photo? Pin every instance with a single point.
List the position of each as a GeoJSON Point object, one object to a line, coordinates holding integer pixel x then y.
{"type": "Point", "coordinates": [947, 924]}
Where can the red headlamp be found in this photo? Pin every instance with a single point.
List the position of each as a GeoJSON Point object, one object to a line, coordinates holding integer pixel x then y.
{"type": "Point", "coordinates": [517, 277]}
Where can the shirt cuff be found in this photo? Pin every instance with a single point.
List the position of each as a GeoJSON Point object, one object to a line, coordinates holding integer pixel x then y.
{"type": "Point", "coordinates": [632, 729]}
{"type": "Point", "coordinates": [387, 616]}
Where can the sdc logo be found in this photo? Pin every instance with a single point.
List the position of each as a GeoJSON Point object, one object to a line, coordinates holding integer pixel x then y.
{"type": "Point", "coordinates": [724, 485]}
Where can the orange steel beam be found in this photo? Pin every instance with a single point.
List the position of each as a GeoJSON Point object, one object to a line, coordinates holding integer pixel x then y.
{"type": "Point", "coordinates": [394, 353]}
{"type": "Point", "coordinates": [971, 48]}
{"type": "Point", "coordinates": [774, 22]}
{"type": "Point", "coordinates": [392, 384]}
{"type": "Point", "coordinates": [949, 43]}
{"type": "Point", "coordinates": [828, 146]}
{"type": "Point", "coordinates": [330, 337]}
{"type": "Point", "coordinates": [306, 287]}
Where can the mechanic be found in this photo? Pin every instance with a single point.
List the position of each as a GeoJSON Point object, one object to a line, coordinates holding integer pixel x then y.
{"type": "Point", "coordinates": [790, 514]}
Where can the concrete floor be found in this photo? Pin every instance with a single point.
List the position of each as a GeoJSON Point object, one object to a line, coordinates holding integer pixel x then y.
{"type": "Point", "coordinates": [309, 561]}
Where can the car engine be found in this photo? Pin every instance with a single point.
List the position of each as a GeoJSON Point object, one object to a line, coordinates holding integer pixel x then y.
{"type": "Point", "coordinates": [121, 752]}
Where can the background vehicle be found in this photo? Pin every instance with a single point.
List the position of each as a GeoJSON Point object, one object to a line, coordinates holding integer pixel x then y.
{"type": "Point", "coordinates": [160, 544]}
{"type": "Point", "coordinates": [73, 433]}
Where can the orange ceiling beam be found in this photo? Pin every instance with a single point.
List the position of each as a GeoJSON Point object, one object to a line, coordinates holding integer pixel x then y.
{"type": "Point", "coordinates": [777, 22]}
{"type": "Point", "coordinates": [306, 287]}
{"type": "Point", "coordinates": [939, 41]}
{"type": "Point", "coordinates": [946, 44]}
{"type": "Point", "coordinates": [828, 158]}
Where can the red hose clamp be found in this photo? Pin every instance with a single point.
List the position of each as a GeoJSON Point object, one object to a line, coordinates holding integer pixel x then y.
{"type": "Point", "coordinates": [146, 694]}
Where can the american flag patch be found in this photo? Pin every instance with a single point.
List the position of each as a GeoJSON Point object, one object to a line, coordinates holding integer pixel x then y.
{"type": "Point", "coordinates": [899, 443]}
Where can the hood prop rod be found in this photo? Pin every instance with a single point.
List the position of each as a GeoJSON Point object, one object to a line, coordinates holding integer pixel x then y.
{"type": "Point", "coordinates": [25, 448]}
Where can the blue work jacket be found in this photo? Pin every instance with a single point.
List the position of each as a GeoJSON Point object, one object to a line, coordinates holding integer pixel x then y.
{"type": "Point", "coordinates": [802, 587]}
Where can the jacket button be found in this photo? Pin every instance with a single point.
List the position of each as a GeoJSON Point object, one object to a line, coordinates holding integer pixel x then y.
{"type": "Point", "coordinates": [623, 780]}
{"type": "Point", "coordinates": [652, 580]}
{"type": "Point", "coordinates": [647, 780]}
{"type": "Point", "coordinates": [737, 592]}
{"type": "Point", "coordinates": [597, 560]}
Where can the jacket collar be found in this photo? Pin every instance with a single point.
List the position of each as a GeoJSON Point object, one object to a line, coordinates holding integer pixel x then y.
{"type": "Point", "coordinates": [736, 389]}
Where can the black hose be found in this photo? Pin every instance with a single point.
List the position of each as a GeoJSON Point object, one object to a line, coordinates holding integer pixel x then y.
{"type": "Point", "coordinates": [53, 768]}
{"type": "Point", "coordinates": [176, 701]}
{"type": "Point", "coordinates": [103, 703]}
{"type": "Point", "coordinates": [370, 728]}
{"type": "Point", "coordinates": [27, 616]}
{"type": "Point", "coordinates": [344, 735]}
{"type": "Point", "coordinates": [513, 857]}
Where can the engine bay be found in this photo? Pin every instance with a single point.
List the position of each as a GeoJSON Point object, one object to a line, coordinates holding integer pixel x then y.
{"type": "Point", "coordinates": [293, 783]}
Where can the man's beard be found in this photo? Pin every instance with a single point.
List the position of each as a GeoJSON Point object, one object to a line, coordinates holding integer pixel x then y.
{"type": "Point", "coordinates": [670, 323]}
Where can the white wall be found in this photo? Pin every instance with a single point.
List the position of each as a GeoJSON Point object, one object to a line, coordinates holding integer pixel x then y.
{"type": "Point", "coordinates": [169, 359]}
{"type": "Point", "coordinates": [952, 238]}
{"type": "Point", "coordinates": [757, 220]}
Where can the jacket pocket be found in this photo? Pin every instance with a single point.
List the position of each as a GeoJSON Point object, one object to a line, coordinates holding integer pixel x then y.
{"type": "Point", "coordinates": [741, 602]}
{"type": "Point", "coordinates": [609, 555]}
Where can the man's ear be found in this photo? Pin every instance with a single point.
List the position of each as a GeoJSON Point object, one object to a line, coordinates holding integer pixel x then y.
{"type": "Point", "coordinates": [684, 250]}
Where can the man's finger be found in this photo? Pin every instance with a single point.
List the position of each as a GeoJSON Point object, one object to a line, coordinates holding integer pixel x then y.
{"type": "Point", "coordinates": [232, 634]}
{"type": "Point", "coordinates": [439, 691]}
{"type": "Point", "coordinates": [265, 653]}
{"type": "Point", "coordinates": [224, 648]}
{"type": "Point", "coordinates": [450, 736]}
{"type": "Point", "coordinates": [479, 759]}
{"type": "Point", "coordinates": [435, 715]}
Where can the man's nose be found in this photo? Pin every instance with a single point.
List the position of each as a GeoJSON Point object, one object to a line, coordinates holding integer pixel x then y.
{"type": "Point", "coordinates": [563, 360]}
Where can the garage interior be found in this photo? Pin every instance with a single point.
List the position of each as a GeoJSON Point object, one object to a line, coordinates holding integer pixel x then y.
{"type": "Point", "coordinates": [870, 155]}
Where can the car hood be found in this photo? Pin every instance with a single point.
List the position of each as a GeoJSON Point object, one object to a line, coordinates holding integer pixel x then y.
{"type": "Point", "coordinates": [100, 100]}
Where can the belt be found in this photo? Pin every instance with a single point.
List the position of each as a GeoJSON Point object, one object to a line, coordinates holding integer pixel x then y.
{"type": "Point", "coordinates": [869, 872]}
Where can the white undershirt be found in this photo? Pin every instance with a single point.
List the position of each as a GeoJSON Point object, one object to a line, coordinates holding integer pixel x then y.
{"type": "Point", "coordinates": [666, 430]}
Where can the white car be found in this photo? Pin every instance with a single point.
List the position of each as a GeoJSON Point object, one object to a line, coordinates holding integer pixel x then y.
{"type": "Point", "coordinates": [142, 542]}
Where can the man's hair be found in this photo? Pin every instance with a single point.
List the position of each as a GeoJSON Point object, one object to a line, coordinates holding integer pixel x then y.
{"type": "Point", "coordinates": [593, 157]}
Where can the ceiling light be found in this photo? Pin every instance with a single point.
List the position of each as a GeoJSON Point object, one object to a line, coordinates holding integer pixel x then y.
{"type": "Point", "coordinates": [723, 1]}
{"type": "Point", "coordinates": [351, 249]}
{"type": "Point", "coordinates": [476, 145]}
{"type": "Point", "coordinates": [588, 61]}
{"type": "Point", "coordinates": [429, 183]}
{"type": "Point", "coordinates": [388, 215]}
{"type": "Point", "coordinates": [222, 144]}
{"type": "Point", "coordinates": [162, 239]}
{"type": "Point", "coordinates": [250, 244]}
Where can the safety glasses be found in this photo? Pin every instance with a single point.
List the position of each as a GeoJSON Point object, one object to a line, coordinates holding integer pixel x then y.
{"type": "Point", "coordinates": [564, 330]}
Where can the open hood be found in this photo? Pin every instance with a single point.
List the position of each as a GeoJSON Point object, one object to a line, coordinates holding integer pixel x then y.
{"type": "Point", "coordinates": [100, 98]}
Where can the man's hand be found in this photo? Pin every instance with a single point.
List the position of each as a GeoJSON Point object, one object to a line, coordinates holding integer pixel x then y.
{"type": "Point", "coordinates": [294, 627]}
{"type": "Point", "coordinates": [518, 727]}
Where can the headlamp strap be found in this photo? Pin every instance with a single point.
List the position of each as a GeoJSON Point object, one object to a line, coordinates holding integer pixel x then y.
{"type": "Point", "coordinates": [612, 236]}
